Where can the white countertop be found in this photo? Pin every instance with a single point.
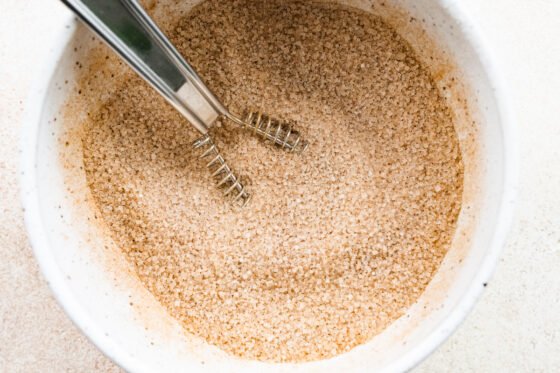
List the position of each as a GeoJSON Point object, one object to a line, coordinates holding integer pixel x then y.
{"type": "Point", "coordinates": [514, 327]}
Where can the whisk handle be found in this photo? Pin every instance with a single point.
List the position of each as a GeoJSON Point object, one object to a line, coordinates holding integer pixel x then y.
{"type": "Point", "coordinates": [130, 31]}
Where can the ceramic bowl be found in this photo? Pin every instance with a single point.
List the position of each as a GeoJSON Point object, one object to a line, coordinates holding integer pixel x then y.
{"type": "Point", "coordinates": [99, 292]}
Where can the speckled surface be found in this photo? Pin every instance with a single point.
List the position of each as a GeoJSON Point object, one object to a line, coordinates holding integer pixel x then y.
{"type": "Point", "coordinates": [514, 327]}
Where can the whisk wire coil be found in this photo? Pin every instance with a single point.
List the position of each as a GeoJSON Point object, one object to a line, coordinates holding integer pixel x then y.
{"type": "Point", "coordinates": [279, 133]}
{"type": "Point", "coordinates": [223, 173]}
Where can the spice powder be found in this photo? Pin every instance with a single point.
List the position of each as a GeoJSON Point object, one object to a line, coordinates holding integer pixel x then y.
{"type": "Point", "coordinates": [337, 242]}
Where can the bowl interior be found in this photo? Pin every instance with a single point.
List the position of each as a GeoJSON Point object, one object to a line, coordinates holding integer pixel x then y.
{"type": "Point", "coordinates": [99, 291]}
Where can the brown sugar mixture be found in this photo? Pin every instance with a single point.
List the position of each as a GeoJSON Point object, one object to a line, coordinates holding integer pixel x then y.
{"type": "Point", "coordinates": [337, 242]}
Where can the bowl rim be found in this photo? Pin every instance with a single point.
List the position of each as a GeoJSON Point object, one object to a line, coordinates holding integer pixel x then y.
{"type": "Point", "coordinates": [78, 314]}
{"type": "Point", "coordinates": [36, 231]}
{"type": "Point", "coordinates": [444, 330]}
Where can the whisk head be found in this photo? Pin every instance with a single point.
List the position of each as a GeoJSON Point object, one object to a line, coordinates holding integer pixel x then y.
{"type": "Point", "coordinates": [280, 133]}
{"type": "Point", "coordinates": [223, 174]}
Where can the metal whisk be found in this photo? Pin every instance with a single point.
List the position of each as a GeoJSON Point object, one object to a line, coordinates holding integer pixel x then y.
{"type": "Point", "coordinates": [128, 29]}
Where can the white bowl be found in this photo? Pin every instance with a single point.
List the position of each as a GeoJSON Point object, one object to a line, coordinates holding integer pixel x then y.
{"type": "Point", "coordinates": [94, 283]}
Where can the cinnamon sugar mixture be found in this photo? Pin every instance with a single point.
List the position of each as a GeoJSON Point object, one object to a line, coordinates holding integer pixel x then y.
{"type": "Point", "coordinates": [337, 242]}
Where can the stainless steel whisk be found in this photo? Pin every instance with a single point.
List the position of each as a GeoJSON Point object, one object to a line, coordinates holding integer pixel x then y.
{"type": "Point", "coordinates": [130, 31]}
